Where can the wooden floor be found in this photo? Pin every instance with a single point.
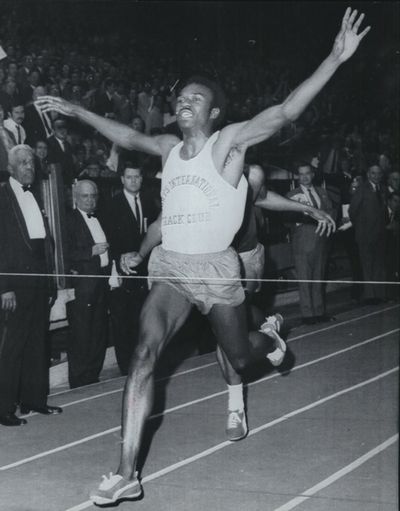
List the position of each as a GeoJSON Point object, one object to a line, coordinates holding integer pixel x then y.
{"type": "Point", "coordinates": [323, 437]}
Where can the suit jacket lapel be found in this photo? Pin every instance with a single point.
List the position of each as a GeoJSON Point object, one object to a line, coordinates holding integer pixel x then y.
{"type": "Point", "coordinates": [126, 206]}
{"type": "Point", "coordinates": [83, 226]}
{"type": "Point", "coordinates": [18, 215]}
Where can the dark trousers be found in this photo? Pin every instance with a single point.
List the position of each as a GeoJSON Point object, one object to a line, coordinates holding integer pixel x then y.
{"type": "Point", "coordinates": [347, 238]}
{"type": "Point", "coordinates": [125, 307]}
{"type": "Point", "coordinates": [87, 344]}
{"type": "Point", "coordinates": [311, 265]}
{"type": "Point", "coordinates": [372, 257]}
{"type": "Point", "coordinates": [24, 354]}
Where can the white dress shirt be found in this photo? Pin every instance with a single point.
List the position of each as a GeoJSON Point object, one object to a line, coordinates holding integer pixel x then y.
{"type": "Point", "coordinates": [12, 126]}
{"type": "Point", "coordinates": [131, 201]}
{"type": "Point", "coordinates": [97, 234]}
{"type": "Point", "coordinates": [311, 191]}
{"type": "Point", "coordinates": [30, 210]}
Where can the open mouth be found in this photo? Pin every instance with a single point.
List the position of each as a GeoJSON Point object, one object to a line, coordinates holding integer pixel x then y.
{"type": "Point", "coordinates": [185, 113]}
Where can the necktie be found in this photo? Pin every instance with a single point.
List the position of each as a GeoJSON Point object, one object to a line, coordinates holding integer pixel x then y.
{"type": "Point", "coordinates": [18, 134]}
{"type": "Point", "coordinates": [46, 124]}
{"type": "Point", "coordinates": [137, 214]}
{"type": "Point", "coordinates": [91, 215]}
{"type": "Point", "coordinates": [378, 193]}
{"type": "Point", "coordinates": [26, 188]}
{"type": "Point", "coordinates": [313, 199]}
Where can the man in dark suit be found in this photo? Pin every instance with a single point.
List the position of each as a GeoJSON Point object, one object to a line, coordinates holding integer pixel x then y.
{"type": "Point", "coordinates": [310, 250]}
{"type": "Point", "coordinates": [130, 213]}
{"type": "Point", "coordinates": [105, 104]}
{"type": "Point", "coordinates": [60, 151]}
{"type": "Point", "coordinates": [368, 215]}
{"type": "Point", "coordinates": [37, 124]}
{"type": "Point", "coordinates": [87, 254]}
{"type": "Point", "coordinates": [26, 248]}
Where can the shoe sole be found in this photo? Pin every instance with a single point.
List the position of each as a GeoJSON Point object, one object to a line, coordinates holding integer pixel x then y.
{"type": "Point", "coordinates": [96, 499]}
{"type": "Point", "coordinates": [277, 356]}
{"type": "Point", "coordinates": [238, 438]}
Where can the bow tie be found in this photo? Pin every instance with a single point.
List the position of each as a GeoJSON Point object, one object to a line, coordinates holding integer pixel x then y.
{"type": "Point", "coordinates": [26, 188]}
{"type": "Point", "coordinates": [91, 215]}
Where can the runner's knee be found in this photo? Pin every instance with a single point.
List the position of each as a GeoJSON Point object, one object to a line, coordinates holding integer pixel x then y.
{"type": "Point", "coordinates": [240, 364]}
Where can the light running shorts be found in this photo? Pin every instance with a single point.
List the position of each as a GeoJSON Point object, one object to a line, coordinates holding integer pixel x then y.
{"type": "Point", "coordinates": [253, 267]}
{"type": "Point", "coordinates": [203, 279]}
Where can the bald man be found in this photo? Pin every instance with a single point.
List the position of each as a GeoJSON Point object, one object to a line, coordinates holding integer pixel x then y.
{"type": "Point", "coordinates": [87, 254]}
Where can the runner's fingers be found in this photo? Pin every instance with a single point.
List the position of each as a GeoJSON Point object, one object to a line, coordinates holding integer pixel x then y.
{"type": "Point", "coordinates": [352, 18]}
{"type": "Point", "coordinates": [358, 23]}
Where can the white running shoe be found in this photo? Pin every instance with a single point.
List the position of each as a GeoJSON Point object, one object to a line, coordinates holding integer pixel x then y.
{"type": "Point", "coordinates": [271, 327]}
{"type": "Point", "coordinates": [236, 426]}
{"type": "Point", "coordinates": [114, 488]}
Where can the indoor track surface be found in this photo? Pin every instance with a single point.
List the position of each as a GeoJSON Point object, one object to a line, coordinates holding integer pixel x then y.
{"type": "Point", "coordinates": [323, 437]}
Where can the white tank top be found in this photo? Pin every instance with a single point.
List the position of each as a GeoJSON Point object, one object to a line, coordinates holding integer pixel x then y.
{"type": "Point", "coordinates": [201, 212]}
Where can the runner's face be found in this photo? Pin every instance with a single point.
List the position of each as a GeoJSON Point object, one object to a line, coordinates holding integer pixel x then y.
{"type": "Point", "coordinates": [193, 106]}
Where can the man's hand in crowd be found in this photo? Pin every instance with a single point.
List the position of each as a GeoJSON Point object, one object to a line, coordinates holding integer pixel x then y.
{"type": "Point", "coordinates": [99, 248]}
{"type": "Point", "coordinates": [130, 260]}
{"type": "Point", "coordinates": [8, 301]}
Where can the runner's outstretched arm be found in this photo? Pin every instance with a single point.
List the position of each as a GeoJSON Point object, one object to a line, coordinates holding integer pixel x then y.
{"type": "Point", "coordinates": [119, 133]}
{"type": "Point", "coordinates": [275, 202]}
{"type": "Point", "coordinates": [271, 120]}
{"type": "Point", "coordinates": [152, 239]}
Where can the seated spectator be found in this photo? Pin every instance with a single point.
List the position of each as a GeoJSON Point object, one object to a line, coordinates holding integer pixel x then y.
{"type": "Point", "coordinates": [87, 254]}
{"type": "Point", "coordinates": [41, 160]}
{"type": "Point", "coordinates": [6, 143]}
{"type": "Point", "coordinates": [393, 182]}
{"type": "Point", "coordinates": [13, 123]}
{"type": "Point", "coordinates": [9, 95]}
{"type": "Point", "coordinates": [105, 102]}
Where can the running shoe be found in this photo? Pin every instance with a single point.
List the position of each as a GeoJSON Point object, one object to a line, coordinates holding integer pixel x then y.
{"type": "Point", "coordinates": [236, 426]}
{"type": "Point", "coordinates": [114, 488]}
{"type": "Point", "coordinates": [271, 327]}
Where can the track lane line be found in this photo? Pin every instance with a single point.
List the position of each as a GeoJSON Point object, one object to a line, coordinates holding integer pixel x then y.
{"type": "Point", "coordinates": [346, 322]}
{"type": "Point", "coordinates": [215, 363]}
{"type": "Point", "coordinates": [337, 475]}
{"type": "Point", "coordinates": [187, 404]}
{"type": "Point", "coordinates": [91, 385]}
{"type": "Point", "coordinates": [222, 445]}
{"type": "Point", "coordinates": [205, 366]}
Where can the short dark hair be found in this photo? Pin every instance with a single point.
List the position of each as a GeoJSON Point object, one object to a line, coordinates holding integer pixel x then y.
{"type": "Point", "coordinates": [16, 103]}
{"type": "Point", "coordinates": [218, 95]}
{"type": "Point", "coordinates": [301, 163]}
{"type": "Point", "coordinates": [130, 165]}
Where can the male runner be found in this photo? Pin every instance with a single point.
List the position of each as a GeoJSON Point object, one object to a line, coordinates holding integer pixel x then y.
{"type": "Point", "coordinates": [251, 255]}
{"type": "Point", "coordinates": [203, 193]}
